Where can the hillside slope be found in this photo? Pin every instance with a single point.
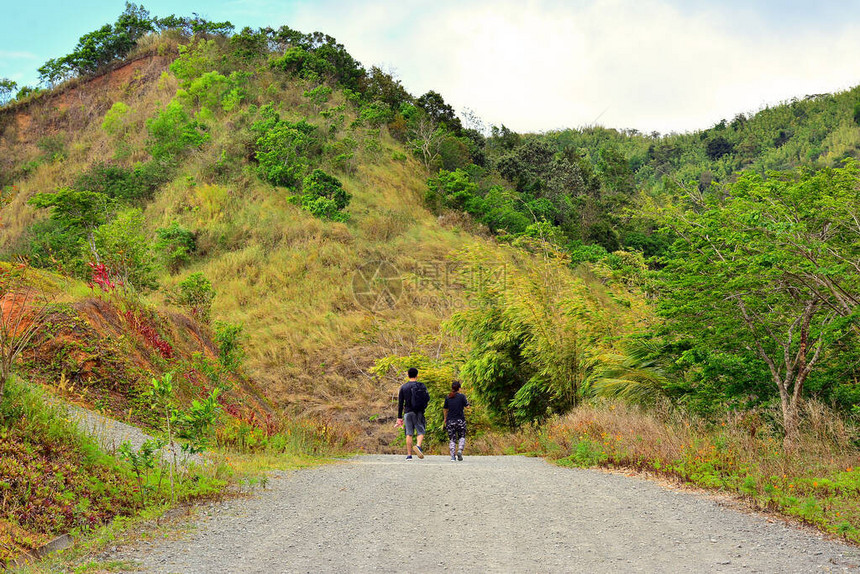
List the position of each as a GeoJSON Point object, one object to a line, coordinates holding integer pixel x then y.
{"type": "Point", "coordinates": [303, 289]}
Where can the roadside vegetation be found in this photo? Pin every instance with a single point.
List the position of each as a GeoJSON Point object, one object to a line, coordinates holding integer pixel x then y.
{"type": "Point", "coordinates": [739, 453]}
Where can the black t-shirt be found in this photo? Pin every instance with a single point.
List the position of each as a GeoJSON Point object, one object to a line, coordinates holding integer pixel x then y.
{"type": "Point", "coordinates": [455, 406]}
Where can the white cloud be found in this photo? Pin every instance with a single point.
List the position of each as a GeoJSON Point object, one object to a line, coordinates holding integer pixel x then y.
{"type": "Point", "coordinates": [9, 55]}
{"type": "Point", "coordinates": [546, 64]}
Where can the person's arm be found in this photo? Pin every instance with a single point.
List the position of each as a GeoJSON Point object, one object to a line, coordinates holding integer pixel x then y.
{"type": "Point", "coordinates": [444, 417]}
{"type": "Point", "coordinates": [401, 397]}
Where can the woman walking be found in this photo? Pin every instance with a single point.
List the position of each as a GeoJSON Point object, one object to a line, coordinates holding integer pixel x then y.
{"type": "Point", "coordinates": [455, 421]}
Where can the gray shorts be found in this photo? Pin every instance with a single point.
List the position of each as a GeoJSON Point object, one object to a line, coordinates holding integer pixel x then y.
{"type": "Point", "coordinates": [413, 423]}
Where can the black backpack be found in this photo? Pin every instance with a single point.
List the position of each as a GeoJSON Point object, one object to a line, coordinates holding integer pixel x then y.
{"type": "Point", "coordinates": [420, 397]}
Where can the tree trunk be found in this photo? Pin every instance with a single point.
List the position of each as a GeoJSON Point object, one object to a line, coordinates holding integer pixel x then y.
{"type": "Point", "coordinates": [791, 423]}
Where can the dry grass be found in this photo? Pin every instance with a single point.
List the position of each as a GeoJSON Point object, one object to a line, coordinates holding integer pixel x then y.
{"type": "Point", "coordinates": [284, 275]}
{"type": "Point", "coordinates": [818, 482]}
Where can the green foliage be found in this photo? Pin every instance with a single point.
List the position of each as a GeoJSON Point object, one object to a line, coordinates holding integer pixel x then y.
{"type": "Point", "coordinates": [249, 45]}
{"type": "Point", "coordinates": [213, 91]}
{"type": "Point", "coordinates": [114, 121]}
{"type": "Point", "coordinates": [54, 477]}
{"type": "Point", "coordinates": [375, 114]}
{"type": "Point", "coordinates": [453, 190]}
{"type": "Point", "coordinates": [769, 271]}
{"type": "Point", "coordinates": [316, 57]}
{"type": "Point", "coordinates": [380, 86]}
{"type": "Point", "coordinates": [123, 247]}
{"type": "Point", "coordinates": [318, 96]}
{"type": "Point", "coordinates": [534, 336]}
{"type": "Point", "coordinates": [229, 337]}
{"type": "Point", "coordinates": [323, 196]}
{"type": "Point", "coordinates": [440, 112]}
{"type": "Point", "coordinates": [142, 463]}
{"type": "Point", "coordinates": [7, 89]}
{"type": "Point", "coordinates": [172, 132]}
{"type": "Point", "coordinates": [101, 47]}
{"type": "Point", "coordinates": [175, 244]}
{"type": "Point", "coordinates": [195, 424]}
{"type": "Point", "coordinates": [122, 183]}
{"type": "Point", "coordinates": [283, 147]}
{"type": "Point", "coordinates": [75, 215]}
{"type": "Point", "coordinates": [194, 60]}
{"type": "Point", "coordinates": [196, 293]}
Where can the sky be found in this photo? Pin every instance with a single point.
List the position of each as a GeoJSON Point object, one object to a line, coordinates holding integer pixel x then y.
{"type": "Point", "coordinates": [532, 65]}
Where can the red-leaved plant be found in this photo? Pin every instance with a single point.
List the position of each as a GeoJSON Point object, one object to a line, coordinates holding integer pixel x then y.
{"type": "Point", "coordinates": [149, 334]}
{"type": "Point", "coordinates": [101, 276]}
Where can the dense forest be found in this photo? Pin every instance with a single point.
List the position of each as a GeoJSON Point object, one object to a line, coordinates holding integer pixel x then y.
{"type": "Point", "coordinates": [245, 178]}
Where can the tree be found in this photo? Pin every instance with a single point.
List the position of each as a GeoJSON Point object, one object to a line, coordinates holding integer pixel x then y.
{"type": "Point", "coordinates": [382, 86]}
{"type": "Point", "coordinates": [772, 270]}
{"type": "Point", "coordinates": [441, 113]}
{"type": "Point", "coordinates": [7, 88]}
{"type": "Point", "coordinates": [718, 147]}
{"type": "Point", "coordinates": [196, 293]}
{"type": "Point", "coordinates": [75, 216]}
{"type": "Point", "coordinates": [100, 47]}
{"type": "Point", "coordinates": [282, 148]}
{"type": "Point", "coordinates": [534, 330]}
{"type": "Point", "coordinates": [425, 139]}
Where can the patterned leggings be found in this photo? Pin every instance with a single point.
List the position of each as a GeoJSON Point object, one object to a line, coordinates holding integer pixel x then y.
{"type": "Point", "coordinates": [456, 436]}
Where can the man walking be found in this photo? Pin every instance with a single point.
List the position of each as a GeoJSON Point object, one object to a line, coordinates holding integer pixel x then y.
{"type": "Point", "coordinates": [411, 402]}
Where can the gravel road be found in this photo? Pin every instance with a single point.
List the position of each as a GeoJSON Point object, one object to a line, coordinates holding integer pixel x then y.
{"type": "Point", "coordinates": [110, 433]}
{"type": "Point", "coordinates": [379, 513]}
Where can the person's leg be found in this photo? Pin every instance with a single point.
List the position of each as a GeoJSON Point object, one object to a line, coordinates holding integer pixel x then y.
{"type": "Point", "coordinates": [419, 428]}
{"type": "Point", "coordinates": [461, 442]}
{"type": "Point", "coordinates": [409, 428]}
{"type": "Point", "coordinates": [452, 436]}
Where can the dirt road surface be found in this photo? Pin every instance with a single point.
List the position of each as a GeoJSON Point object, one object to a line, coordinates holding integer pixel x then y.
{"type": "Point", "coordinates": [380, 513]}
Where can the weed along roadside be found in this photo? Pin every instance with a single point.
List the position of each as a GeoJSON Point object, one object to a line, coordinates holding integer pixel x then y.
{"type": "Point", "coordinates": [818, 485]}
{"type": "Point", "coordinates": [63, 473]}
{"type": "Point", "coordinates": [514, 513]}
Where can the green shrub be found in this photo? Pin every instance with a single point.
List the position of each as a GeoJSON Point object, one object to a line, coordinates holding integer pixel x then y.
{"type": "Point", "coordinates": [323, 196]}
{"type": "Point", "coordinates": [228, 337]}
{"type": "Point", "coordinates": [195, 59]}
{"type": "Point", "coordinates": [114, 121]}
{"type": "Point", "coordinates": [282, 149]}
{"type": "Point", "coordinates": [122, 246]}
{"type": "Point", "coordinates": [175, 244]}
{"type": "Point", "coordinates": [172, 132]}
{"type": "Point", "coordinates": [75, 215]}
{"type": "Point", "coordinates": [196, 293]}
{"type": "Point", "coordinates": [128, 184]}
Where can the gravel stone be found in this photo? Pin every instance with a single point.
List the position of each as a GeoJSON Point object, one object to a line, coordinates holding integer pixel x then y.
{"type": "Point", "coordinates": [376, 513]}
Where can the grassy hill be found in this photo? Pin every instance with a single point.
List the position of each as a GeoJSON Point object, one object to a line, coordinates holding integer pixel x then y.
{"type": "Point", "coordinates": [287, 277]}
